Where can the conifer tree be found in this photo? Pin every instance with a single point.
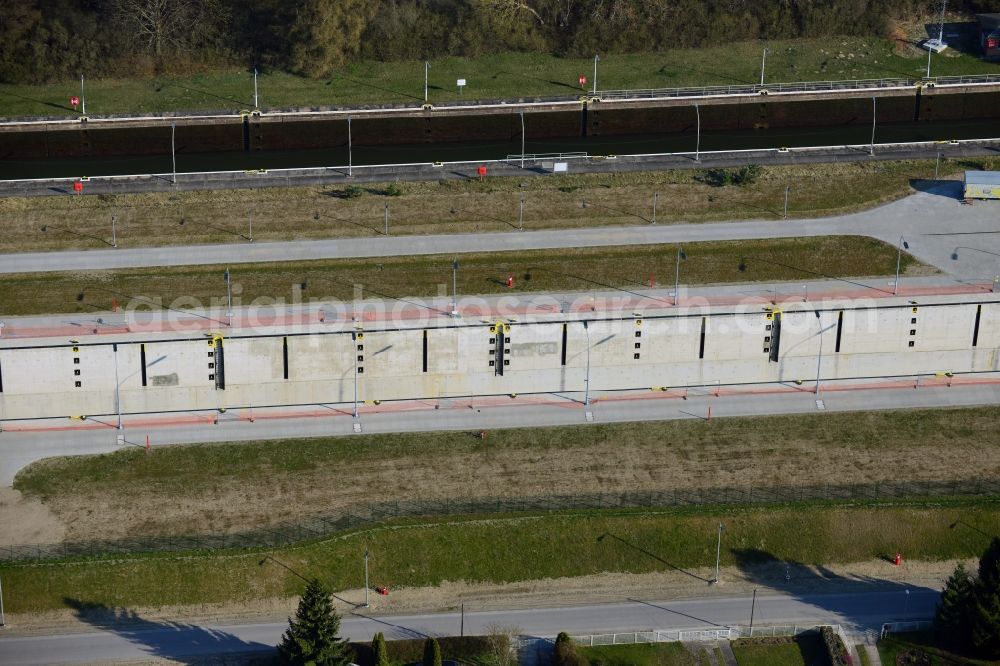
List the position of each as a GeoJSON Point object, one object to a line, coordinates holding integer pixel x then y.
{"type": "Point", "coordinates": [311, 637]}
{"type": "Point", "coordinates": [432, 652]}
{"type": "Point", "coordinates": [951, 619]}
{"type": "Point", "coordinates": [985, 608]}
{"type": "Point", "coordinates": [380, 650]}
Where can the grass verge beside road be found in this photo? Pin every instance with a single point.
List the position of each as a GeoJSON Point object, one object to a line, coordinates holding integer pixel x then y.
{"type": "Point", "coordinates": [504, 548]}
{"type": "Point", "coordinates": [648, 654]}
{"type": "Point", "coordinates": [554, 271]}
{"type": "Point", "coordinates": [923, 648]}
{"type": "Point", "coordinates": [803, 650]}
{"type": "Point", "coordinates": [453, 206]}
{"type": "Point", "coordinates": [508, 76]}
{"type": "Point", "coordinates": [227, 488]}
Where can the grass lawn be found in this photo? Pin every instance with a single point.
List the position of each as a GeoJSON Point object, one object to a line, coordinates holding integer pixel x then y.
{"type": "Point", "coordinates": [506, 548]}
{"type": "Point", "coordinates": [231, 487]}
{"type": "Point", "coordinates": [510, 75]}
{"type": "Point", "coordinates": [649, 654]}
{"type": "Point", "coordinates": [922, 648]}
{"type": "Point", "coordinates": [552, 271]}
{"type": "Point", "coordinates": [453, 206]}
{"type": "Point", "coordinates": [806, 650]}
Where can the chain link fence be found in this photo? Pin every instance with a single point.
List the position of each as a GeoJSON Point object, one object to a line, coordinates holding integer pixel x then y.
{"type": "Point", "coordinates": [322, 526]}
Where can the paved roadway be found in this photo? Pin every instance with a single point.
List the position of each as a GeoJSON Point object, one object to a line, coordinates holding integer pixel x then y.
{"type": "Point", "coordinates": [140, 639]}
{"type": "Point", "coordinates": [934, 223]}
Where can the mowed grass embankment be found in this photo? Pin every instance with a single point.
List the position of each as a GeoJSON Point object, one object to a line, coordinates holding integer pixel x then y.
{"type": "Point", "coordinates": [507, 75]}
{"type": "Point", "coordinates": [231, 488]}
{"type": "Point", "coordinates": [597, 269]}
{"type": "Point", "coordinates": [452, 206]}
{"type": "Point", "coordinates": [503, 548]}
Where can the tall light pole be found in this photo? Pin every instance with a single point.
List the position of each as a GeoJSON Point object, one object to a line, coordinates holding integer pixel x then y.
{"type": "Point", "coordinates": [718, 553]}
{"type": "Point", "coordinates": [596, 58]}
{"type": "Point", "coordinates": [366, 576]}
{"type": "Point", "coordinates": [255, 105]}
{"type": "Point", "coordinates": [520, 214]}
{"type": "Point", "coordinates": [173, 150]}
{"type": "Point", "coordinates": [114, 233]}
{"type": "Point", "coordinates": [250, 236]}
{"type": "Point", "coordinates": [937, 164]}
{"type": "Point", "coordinates": [83, 98]}
{"type": "Point", "coordinates": [944, 4]}
{"type": "Point", "coordinates": [763, 59]}
{"type": "Point", "coordinates": [697, 144]}
{"type": "Point", "coordinates": [454, 288]}
{"type": "Point", "coordinates": [873, 127]}
{"type": "Point", "coordinates": [787, 190]}
{"type": "Point", "coordinates": [586, 383]}
{"type": "Point", "coordinates": [118, 386]}
{"type": "Point", "coordinates": [899, 256]}
{"type": "Point", "coordinates": [427, 67]}
{"type": "Point", "coordinates": [929, 51]}
{"type": "Point", "coordinates": [386, 219]}
{"type": "Point", "coordinates": [677, 273]}
{"type": "Point", "coordinates": [3, 621]}
{"type": "Point", "coordinates": [350, 150]}
{"type": "Point", "coordinates": [654, 207]}
{"type": "Point", "coordinates": [819, 357]}
{"type": "Point", "coordinates": [229, 298]}
{"type": "Point", "coordinates": [354, 353]}
{"type": "Point", "coordinates": [522, 139]}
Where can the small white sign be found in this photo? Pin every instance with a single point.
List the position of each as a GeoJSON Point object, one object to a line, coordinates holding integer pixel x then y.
{"type": "Point", "coordinates": [461, 82]}
{"type": "Point", "coordinates": [560, 167]}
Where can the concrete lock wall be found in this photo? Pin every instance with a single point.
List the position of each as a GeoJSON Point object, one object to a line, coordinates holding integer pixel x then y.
{"type": "Point", "coordinates": [720, 346]}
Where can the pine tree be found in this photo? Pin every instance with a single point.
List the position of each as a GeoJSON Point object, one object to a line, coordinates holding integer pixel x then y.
{"type": "Point", "coordinates": [311, 637]}
{"type": "Point", "coordinates": [380, 650]}
{"type": "Point", "coordinates": [985, 609]}
{"type": "Point", "coordinates": [951, 619]}
{"type": "Point", "coordinates": [432, 652]}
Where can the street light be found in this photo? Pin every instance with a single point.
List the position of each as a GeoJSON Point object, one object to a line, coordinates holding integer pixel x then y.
{"type": "Point", "coordinates": [873, 127]}
{"type": "Point", "coordinates": [173, 150]}
{"type": "Point", "coordinates": [596, 58]}
{"type": "Point", "coordinates": [586, 383]}
{"type": "Point", "coordinates": [83, 98]}
{"type": "Point", "coordinates": [522, 139]}
{"type": "Point", "coordinates": [718, 553]}
{"type": "Point", "coordinates": [427, 66]}
{"type": "Point", "coordinates": [763, 59]}
{"type": "Point", "coordinates": [454, 288]}
{"type": "Point", "coordinates": [520, 214]}
{"type": "Point", "coordinates": [655, 194]}
{"type": "Point", "coordinates": [788, 188]}
{"type": "Point", "coordinates": [819, 357]}
{"type": "Point", "coordinates": [354, 354]}
{"type": "Point", "coordinates": [899, 255]}
{"type": "Point", "coordinates": [255, 105]}
{"type": "Point", "coordinates": [229, 297]}
{"type": "Point", "coordinates": [954, 257]}
{"type": "Point", "coordinates": [350, 152]}
{"type": "Point", "coordinates": [697, 145]}
{"type": "Point", "coordinates": [366, 576]}
{"type": "Point", "coordinates": [114, 233]}
{"type": "Point", "coordinates": [677, 273]}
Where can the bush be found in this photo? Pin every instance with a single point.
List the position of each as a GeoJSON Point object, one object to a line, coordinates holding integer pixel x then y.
{"type": "Point", "coordinates": [352, 192]}
{"type": "Point", "coordinates": [835, 648]}
{"type": "Point", "coordinates": [432, 653]}
{"type": "Point", "coordinates": [745, 175]}
{"type": "Point", "coordinates": [565, 653]}
{"type": "Point", "coordinates": [392, 190]}
{"type": "Point", "coordinates": [411, 651]}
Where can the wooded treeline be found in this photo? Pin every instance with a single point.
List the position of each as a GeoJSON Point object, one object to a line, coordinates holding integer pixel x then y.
{"type": "Point", "coordinates": [43, 40]}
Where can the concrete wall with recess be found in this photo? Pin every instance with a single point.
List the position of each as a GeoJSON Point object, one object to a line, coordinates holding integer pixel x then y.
{"type": "Point", "coordinates": [39, 376]}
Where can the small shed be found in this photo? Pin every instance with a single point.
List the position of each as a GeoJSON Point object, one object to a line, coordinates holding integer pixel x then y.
{"type": "Point", "coordinates": [989, 34]}
{"type": "Point", "coordinates": [982, 184]}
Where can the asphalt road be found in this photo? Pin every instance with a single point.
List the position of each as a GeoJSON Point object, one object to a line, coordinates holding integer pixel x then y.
{"type": "Point", "coordinates": [935, 224]}
{"type": "Point", "coordinates": [138, 639]}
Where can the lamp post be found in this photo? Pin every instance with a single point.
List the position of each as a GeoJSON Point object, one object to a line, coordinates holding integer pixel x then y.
{"type": "Point", "coordinates": [118, 386]}
{"type": "Point", "coordinates": [954, 257]}
{"type": "Point", "coordinates": [454, 288]}
{"type": "Point", "coordinates": [697, 145]}
{"type": "Point", "coordinates": [350, 151]}
{"type": "Point", "coordinates": [387, 219]}
{"type": "Point", "coordinates": [586, 383]}
{"type": "Point", "coordinates": [596, 58]}
{"type": "Point", "coordinates": [677, 273]}
{"type": "Point", "coordinates": [654, 207]}
{"type": "Point", "coordinates": [229, 297]}
{"type": "Point", "coordinates": [427, 67]}
{"type": "Point", "coordinates": [114, 233]}
{"type": "Point", "coordinates": [83, 98]}
{"type": "Point", "coordinates": [718, 553]}
{"type": "Point", "coordinates": [522, 139]}
{"type": "Point", "coordinates": [819, 357]}
{"type": "Point", "coordinates": [173, 149]}
{"type": "Point", "coordinates": [899, 256]}
{"type": "Point", "coordinates": [366, 576]}
{"type": "Point", "coordinates": [354, 353]}
{"type": "Point", "coordinates": [906, 603]}
{"type": "Point", "coordinates": [753, 607]}
{"type": "Point", "coordinates": [937, 164]}
{"type": "Point", "coordinates": [3, 621]}
{"type": "Point", "coordinates": [787, 190]}
{"type": "Point", "coordinates": [873, 128]}
{"type": "Point", "coordinates": [929, 51]}
{"type": "Point", "coordinates": [520, 214]}
{"type": "Point", "coordinates": [255, 105]}
{"type": "Point", "coordinates": [763, 59]}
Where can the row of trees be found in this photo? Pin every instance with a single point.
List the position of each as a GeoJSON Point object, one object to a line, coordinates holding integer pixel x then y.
{"type": "Point", "coordinates": [53, 39]}
{"type": "Point", "coordinates": [968, 615]}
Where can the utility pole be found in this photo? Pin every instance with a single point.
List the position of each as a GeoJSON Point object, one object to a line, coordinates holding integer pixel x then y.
{"type": "Point", "coordinates": [114, 234]}
{"type": "Point", "coordinates": [366, 576]}
{"type": "Point", "coordinates": [718, 553]}
{"type": "Point", "coordinates": [753, 607]}
{"type": "Point", "coordinates": [787, 188]}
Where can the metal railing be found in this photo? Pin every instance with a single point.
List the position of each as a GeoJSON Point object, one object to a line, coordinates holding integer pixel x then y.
{"type": "Point", "coordinates": [792, 87]}
{"type": "Point", "coordinates": [323, 526]}
{"type": "Point", "coordinates": [906, 627]}
{"type": "Point", "coordinates": [697, 634]}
